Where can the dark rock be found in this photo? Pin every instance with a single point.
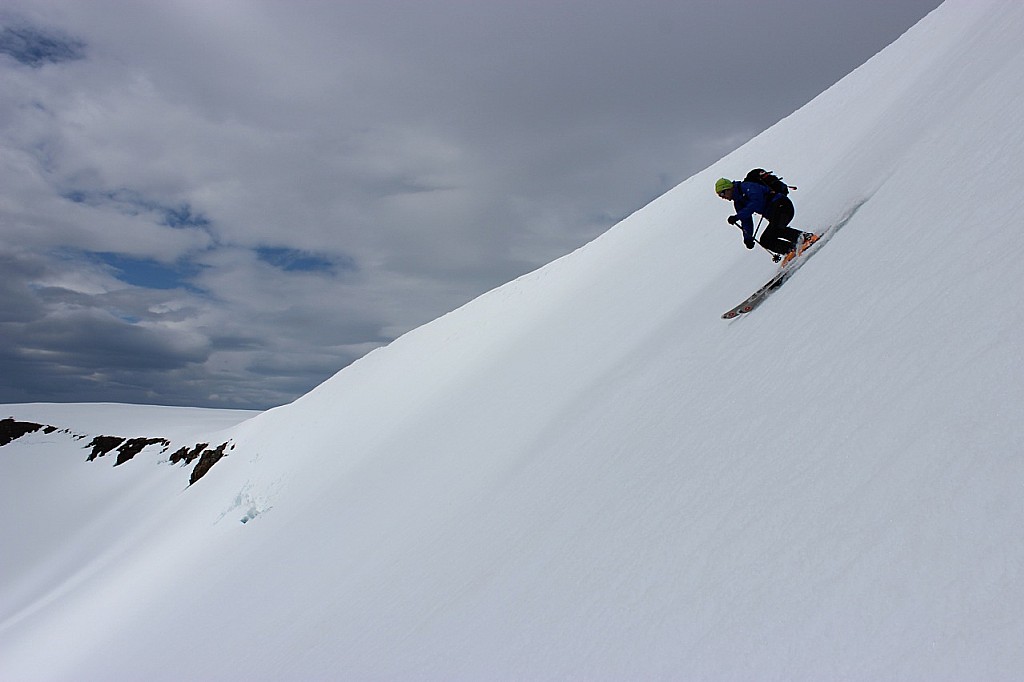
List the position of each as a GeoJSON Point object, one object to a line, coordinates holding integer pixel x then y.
{"type": "Point", "coordinates": [101, 445]}
{"type": "Point", "coordinates": [186, 455]}
{"type": "Point", "coordinates": [13, 430]}
{"type": "Point", "coordinates": [207, 460]}
{"type": "Point", "coordinates": [134, 446]}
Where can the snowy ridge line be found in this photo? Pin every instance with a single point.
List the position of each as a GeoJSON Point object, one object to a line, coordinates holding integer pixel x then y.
{"type": "Point", "coordinates": [127, 448]}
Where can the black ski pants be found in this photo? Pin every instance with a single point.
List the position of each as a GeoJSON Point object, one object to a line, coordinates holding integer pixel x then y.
{"type": "Point", "coordinates": [779, 237]}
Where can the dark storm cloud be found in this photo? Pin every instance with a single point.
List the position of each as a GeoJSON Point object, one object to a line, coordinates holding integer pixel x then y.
{"type": "Point", "coordinates": [48, 334]}
{"type": "Point", "coordinates": [117, 353]}
{"type": "Point", "coordinates": [80, 342]}
{"type": "Point", "coordinates": [222, 204]}
{"type": "Point", "coordinates": [36, 46]}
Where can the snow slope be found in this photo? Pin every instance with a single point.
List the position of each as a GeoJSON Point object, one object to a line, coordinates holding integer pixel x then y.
{"type": "Point", "coordinates": [63, 516]}
{"type": "Point", "coordinates": [588, 474]}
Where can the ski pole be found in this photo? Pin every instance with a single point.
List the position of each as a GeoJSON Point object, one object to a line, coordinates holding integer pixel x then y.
{"type": "Point", "coordinates": [775, 256]}
{"type": "Point", "coordinates": [758, 228]}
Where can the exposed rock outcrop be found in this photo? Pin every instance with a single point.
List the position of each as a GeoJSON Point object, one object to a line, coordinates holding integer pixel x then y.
{"type": "Point", "coordinates": [101, 445]}
{"type": "Point", "coordinates": [127, 448]}
{"type": "Point", "coordinates": [134, 446]}
{"type": "Point", "coordinates": [13, 430]}
{"type": "Point", "coordinates": [207, 460]}
{"type": "Point", "coordinates": [188, 455]}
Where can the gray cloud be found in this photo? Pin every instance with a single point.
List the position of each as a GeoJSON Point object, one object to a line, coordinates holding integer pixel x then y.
{"type": "Point", "coordinates": [213, 204]}
{"type": "Point", "coordinates": [34, 46]}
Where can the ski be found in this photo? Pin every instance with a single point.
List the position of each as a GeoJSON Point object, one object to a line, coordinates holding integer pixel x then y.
{"type": "Point", "coordinates": [758, 297]}
{"type": "Point", "coordinates": [784, 273]}
{"type": "Point", "coordinates": [787, 270]}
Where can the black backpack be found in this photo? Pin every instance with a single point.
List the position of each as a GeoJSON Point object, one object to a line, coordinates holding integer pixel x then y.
{"type": "Point", "coordinates": [769, 179]}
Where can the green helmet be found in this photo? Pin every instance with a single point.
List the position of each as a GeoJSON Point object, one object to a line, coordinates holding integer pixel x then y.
{"type": "Point", "coordinates": [722, 184]}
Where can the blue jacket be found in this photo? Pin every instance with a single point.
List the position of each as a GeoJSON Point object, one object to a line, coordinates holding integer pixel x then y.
{"type": "Point", "coordinates": [749, 198]}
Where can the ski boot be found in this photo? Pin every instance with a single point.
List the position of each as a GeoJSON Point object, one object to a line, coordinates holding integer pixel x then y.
{"type": "Point", "coordinates": [808, 238]}
{"type": "Point", "coordinates": [802, 244]}
{"type": "Point", "coordinates": [790, 255]}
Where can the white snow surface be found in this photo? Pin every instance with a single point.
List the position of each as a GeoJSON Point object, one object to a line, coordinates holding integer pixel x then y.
{"type": "Point", "coordinates": [587, 474]}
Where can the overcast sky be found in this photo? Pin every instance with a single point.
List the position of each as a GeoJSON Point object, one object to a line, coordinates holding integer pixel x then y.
{"type": "Point", "coordinates": [223, 202]}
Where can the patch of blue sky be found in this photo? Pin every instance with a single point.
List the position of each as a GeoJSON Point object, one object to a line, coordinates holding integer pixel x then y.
{"type": "Point", "coordinates": [125, 317]}
{"type": "Point", "coordinates": [149, 273]}
{"type": "Point", "coordinates": [294, 260]}
{"type": "Point", "coordinates": [37, 47]}
{"type": "Point", "coordinates": [183, 216]}
{"type": "Point", "coordinates": [131, 202]}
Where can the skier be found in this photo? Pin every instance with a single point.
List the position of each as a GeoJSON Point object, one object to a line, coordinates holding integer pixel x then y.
{"type": "Point", "coordinates": [778, 237]}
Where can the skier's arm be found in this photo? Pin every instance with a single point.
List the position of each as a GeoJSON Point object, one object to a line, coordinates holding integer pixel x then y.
{"type": "Point", "coordinates": [747, 200]}
{"type": "Point", "coordinates": [747, 225]}
{"type": "Point", "coordinates": [745, 217]}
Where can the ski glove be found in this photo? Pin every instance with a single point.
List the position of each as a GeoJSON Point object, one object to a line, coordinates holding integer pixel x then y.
{"type": "Point", "coordinates": [733, 219]}
{"type": "Point", "coordinates": [749, 243]}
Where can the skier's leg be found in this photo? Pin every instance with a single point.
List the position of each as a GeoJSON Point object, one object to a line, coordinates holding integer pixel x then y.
{"type": "Point", "coordinates": [779, 240]}
{"type": "Point", "coordinates": [768, 241]}
{"type": "Point", "coordinates": [778, 237]}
